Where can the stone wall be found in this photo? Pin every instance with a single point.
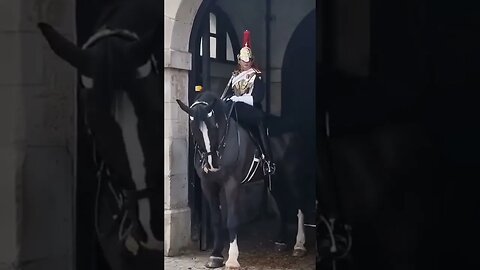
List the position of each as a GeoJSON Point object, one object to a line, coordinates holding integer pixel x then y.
{"type": "Point", "coordinates": [37, 116]}
{"type": "Point", "coordinates": [179, 16]}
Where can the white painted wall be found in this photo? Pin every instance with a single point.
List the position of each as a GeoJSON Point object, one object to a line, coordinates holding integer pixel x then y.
{"type": "Point", "coordinates": [37, 140]}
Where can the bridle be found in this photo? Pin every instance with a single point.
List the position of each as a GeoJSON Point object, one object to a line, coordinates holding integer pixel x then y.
{"type": "Point", "coordinates": [124, 199]}
{"type": "Point", "coordinates": [105, 32]}
{"type": "Point", "coordinates": [221, 146]}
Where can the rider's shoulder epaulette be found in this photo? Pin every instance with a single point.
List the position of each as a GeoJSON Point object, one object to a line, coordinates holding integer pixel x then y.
{"type": "Point", "coordinates": [258, 73]}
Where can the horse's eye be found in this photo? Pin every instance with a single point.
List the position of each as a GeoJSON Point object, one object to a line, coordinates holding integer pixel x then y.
{"type": "Point", "coordinates": [191, 118]}
{"type": "Point", "coordinates": [87, 82]}
{"type": "Point", "coordinates": [210, 114]}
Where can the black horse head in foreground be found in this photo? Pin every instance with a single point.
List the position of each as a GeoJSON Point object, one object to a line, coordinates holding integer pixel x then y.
{"type": "Point", "coordinates": [227, 155]}
{"type": "Point", "coordinates": [123, 112]}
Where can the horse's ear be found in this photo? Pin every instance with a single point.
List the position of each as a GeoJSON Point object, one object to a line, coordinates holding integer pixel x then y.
{"type": "Point", "coordinates": [141, 50]}
{"type": "Point", "coordinates": [64, 48]}
{"type": "Point", "coordinates": [184, 107]}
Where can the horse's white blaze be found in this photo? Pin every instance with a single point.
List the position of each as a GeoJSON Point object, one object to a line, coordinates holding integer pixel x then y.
{"type": "Point", "coordinates": [233, 255]}
{"type": "Point", "coordinates": [300, 244]}
{"type": "Point", "coordinates": [126, 118]}
{"type": "Point", "coordinates": [206, 140]}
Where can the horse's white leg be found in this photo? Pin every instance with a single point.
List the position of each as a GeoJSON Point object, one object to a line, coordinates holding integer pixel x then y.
{"type": "Point", "coordinates": [232, 262]}
{"type": "Point", "coordinates": [231, 194]}
{"type": "Point", "coordinates": [300, 243]}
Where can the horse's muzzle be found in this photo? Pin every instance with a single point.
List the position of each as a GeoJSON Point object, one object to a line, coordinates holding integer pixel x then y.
{"type": "Point", "coordinates": [212, 163]}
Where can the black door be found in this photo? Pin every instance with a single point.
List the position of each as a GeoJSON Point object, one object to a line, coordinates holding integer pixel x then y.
{"type": "Point", "coordinates": [213, 44]}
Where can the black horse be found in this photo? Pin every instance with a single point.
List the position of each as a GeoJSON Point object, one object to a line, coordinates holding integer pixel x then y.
{"type": "Point", "coordinates": [226, 156]}
{"type": "Point", "coordinates": [123, 109]}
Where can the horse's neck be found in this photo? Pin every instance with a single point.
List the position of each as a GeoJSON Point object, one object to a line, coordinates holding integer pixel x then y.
{"type": "Point", "coordinates": [236, 141]}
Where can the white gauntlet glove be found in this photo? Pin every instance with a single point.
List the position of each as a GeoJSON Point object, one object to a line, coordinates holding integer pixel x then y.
{"type": "Point", "coordinates": [245, 99]}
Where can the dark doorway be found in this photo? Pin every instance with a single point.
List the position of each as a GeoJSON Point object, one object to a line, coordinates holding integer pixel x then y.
{"type": "Point", "coordinates": [298, 78]}
{"type": "Point", "coordinates": [210, 25]}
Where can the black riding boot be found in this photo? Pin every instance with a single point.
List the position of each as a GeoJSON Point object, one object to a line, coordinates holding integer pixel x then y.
{"type": "Point", "coordinates": [270, 166]}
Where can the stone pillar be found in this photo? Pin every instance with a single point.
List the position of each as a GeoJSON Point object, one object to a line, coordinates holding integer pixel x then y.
{"type": "Point", "coordinates": [177, 212]}
{"type": "Point", "coordinates": [37, 105]}
{"type": "Point", "coordinates": [12, 136]}
{"type": "Point", "coordinates": [178, 18]}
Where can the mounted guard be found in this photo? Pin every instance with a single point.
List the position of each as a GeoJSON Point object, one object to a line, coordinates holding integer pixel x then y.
{"type": "Point", "coordinates": [247, 89]}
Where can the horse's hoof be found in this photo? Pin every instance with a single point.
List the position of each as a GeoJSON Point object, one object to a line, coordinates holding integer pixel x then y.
{"type": "Point", "coordinates": [214, 262]}
{"type": "Point", "coordinates": [280, 247]}
{"type": "Point", "coordinates": [299, 252]}
{"type": "Point", "coordinates": [232, 266]}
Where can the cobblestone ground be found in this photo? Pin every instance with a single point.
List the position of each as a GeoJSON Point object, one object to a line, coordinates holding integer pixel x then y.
{"type": "Point", "coordinates": [256, 252]}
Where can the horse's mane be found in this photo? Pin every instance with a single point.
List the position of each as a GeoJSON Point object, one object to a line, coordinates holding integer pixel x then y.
{"type": "Point", "coordinates": [208, 97]}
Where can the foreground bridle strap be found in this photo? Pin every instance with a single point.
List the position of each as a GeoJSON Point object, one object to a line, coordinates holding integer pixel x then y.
{"type": "Point", "coordinates": [105, 32]}
{"type": "Point", "coordinates": [199, 102]}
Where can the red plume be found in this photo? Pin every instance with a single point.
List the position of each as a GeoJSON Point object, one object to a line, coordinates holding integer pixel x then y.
{"type": "Point", "coordinates": [246, 39]}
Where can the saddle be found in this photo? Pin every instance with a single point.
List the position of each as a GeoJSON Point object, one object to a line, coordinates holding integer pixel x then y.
{"type": "Point", "coordinates": [258, 160]}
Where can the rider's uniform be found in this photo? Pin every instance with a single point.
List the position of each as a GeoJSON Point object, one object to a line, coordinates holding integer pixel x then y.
{"type": "Point", "coordinates": [247, 90]}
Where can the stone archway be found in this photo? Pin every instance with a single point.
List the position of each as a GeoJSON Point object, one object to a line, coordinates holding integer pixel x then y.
{"type": "Point", "coordinates": [179, 16]}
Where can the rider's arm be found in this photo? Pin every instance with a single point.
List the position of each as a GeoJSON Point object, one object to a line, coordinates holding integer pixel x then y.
{"type": "Point", "coordinates": [258, 89]}
{"type": "Point", "coordinates": [229, 91]}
